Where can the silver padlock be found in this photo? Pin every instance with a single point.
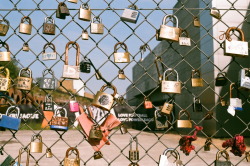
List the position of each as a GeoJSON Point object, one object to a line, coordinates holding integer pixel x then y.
{"type": "Point", "coordinates": [235, 102]}
{"type": "Point", "coordinates": [184, 41]}
{"type": "Point", "coordinates": [96, 28]}
{"type": "Point", "coordinates": [244, 78]}
{"type": "Point", "coordinates": [161, 121]}
{"type": "Point", "coordinates": [215, 13]}
{"type": "Point", "coordinates": [84, 12]}
{"type": "Point", "coordinates": [49, 55]}
{"type": "Point", "coordinates": [130, 14]}
{"type": "Point", "coordinates": [85, 35]}
{"type": "Point", "coordinates": [163, 161]}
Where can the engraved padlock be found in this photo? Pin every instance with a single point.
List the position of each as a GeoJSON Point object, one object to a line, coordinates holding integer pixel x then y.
{"type": "Point", "coordinates": [218, 162]}
{"type": "Point", "coordinates": [184, 123]}
{"type": "Point", "coordinates": [235, 102]}
{"type": "Point", "coordinates": [18, 163]}
{"type": "Point", "coordinates": [170, 86]}
{"type": "Point", "coordinates": [48, 104]}
{"type": "Point", "coordinates": [85, 65]}
{"type": "Point", "coordinates": [147, 103]}
{"type": "Point", "coordinates": [95, 132]}
{"type": "Point", "coordinates": [4, 80]}
{"type": "Point", "coordinates": [25, 28]}
{"type": "Point", "coordinates": [198, 81]}
{"type": "Point", "coordinates": [244, 79]}
{"type": "Point", "coordinates": [4, 28]}
{"type": "Point", "coordinates": [85, 35]}
{"type": "Point", "coordinates": [197, 22]}
{"type": "Point", "coordinates": [234, 47]}
{"type": "Point", "coordinates": [167, 107]}
{"type": "Point", "coordinates": [121, 74]}
{"type": "Point", "coordinates": [215, 13]}
{"type": "Point", "coordinates": [26, 47]}
{"type": "Point", "coordinates": [49, 55]}
{"type": "Point", "coordinates": [221, 79]}
{"type": "Point", "coordinates": [121, 57]}
{"type": "Point", "coordinates": [85, 12]}
{"type": "Point", "coordinates": [24, 83]}
{"type": "Point", "coordinates": [168, 32]}
{"type": "Point", "coordinates": [49, 153]}
{"type": "Point", "coordinates": [69, 71]}
{"type": "Point", "coordinates": [5, 55]}
{"type": "Point", "coordinates": [96, 26]}
{"type": "Point", "coordinates": [207, 145]}
{"type": "Point", "coordinates": [58, 122]}
{"type": "Point", "coordinates": [161, 121]}
{"type": "Point", "coordinates": [72, 161]}
{"type": "Point", "coordinates": [163, 160]}
{"type": "Point", "coordinates": [49, 27]}
{"type": "Point", "coordinates": [36, 146]}
{"type": "Point", "coordinates": [184, 41]}
{"type": "Point", "coordinates": [73, 1]}
{"type": "Point", "coordinates": [130, 14]}
{"type": "Point", "coordinates": [104, 100]}
{"type": "Point", "coordinates": [58, 14]}
{"type": "Point", "coordinates": [46, 82]}
{"type": "Point", "coordinates": [134, 153]}
{"type": "Point", "coordinates": [197, 106]}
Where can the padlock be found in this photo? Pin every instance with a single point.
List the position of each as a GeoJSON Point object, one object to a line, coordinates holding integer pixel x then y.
{"type": "Point", "coordinates": [123, 129]}
{"type": "Point", "coordinates": [49, 55]}
{"type": "Point", "coordinates": [48, 104]}
{"type": "Point", "coordinates": [121, 57]}
{"type": "Point", "coordinates": [98, 75]}
{"type": "Point", "coordinates": [197, 22]}
{"type": "Point", "coordinates": [63, 9]}
{"type": "Point", "coordinates": [58, 15]}
{"type": "Point", "coordinates": [223, 102]}
{"type": "Point", "coordinates": [85, 12]}
{"type": "Point", "coordinates": [95, 132]}
{"type": "Point", "coordinates": [218, 162]}
{"type": "Point", "coordinates": [161, 121]}
{"type": "Point", "coordinates": [234, 47]}
{"type": "Point", "coordinates": [104, 100]}
{"type": "Point", "coordinates": [49, 153]}
{"type": "Point", "coordinates": [24, 83]}
{"type": "Point", "coordinates": [248, 156]}
{"type": "Point", "coordinates": [197, 106]}
{"type": "Point", "coordinates": [18, 163]}
{"type": "Point", "coordinates": [215, 13]}
{"type": "Point", "coordinates": [157, 35]}
{"type": "Point", "coordinates": [167, 107]}
{"type": "Point", "coordinates": [5, 55]}
{"type": "Point", "coordinates": [244, 79]}
{"type": "Point", "coordinates": [73, 1]}
{"type": "Point", "coordinates": [209, 115]}
{"type": "Point", "coordinates": [10, 122]}
{"type": "Point", "coordinates": [130, 14]}
{"type": "Point", "coordinates": [36, 146]}
{"type": "Point", "coordinates": [85, 35]}
{"type": "Point", "coordinates": [168, 32]}
{"type": "Point", "coordinates": [207, 145]}
{"type": "Point", "coordinates": [26, 47]}
{"type": "Point", "coordinates": [4, 28]}
{"type": "Point", "coordinates": [85, 65]}
{"type": "Point", "coordinates": [96, 28]}
{"type": "Point", "coordinates": [8, 161]}
{"type": "Point", "coordinates": [25, 28]}
{"type": "Point", "coordinates": [184, 123]}
{"type": "Point", "coordinates": [221, 79]}
{"type": "Point", "coordinates": [69, 71]}
{"type": "Point", "coordinates": [147, 103]}
{"type": "Point", "coordinates": [196, 82]}
{"type": "Point", "coordinates": [98, 155]}
{"type": "Point", "coordinates": [121, 75]}
{"type": "Point", "coordinates": [58, 122]}
{"type": "Point", "coordinates": [235, 102]}
{"type": "Point", "coordinates": [163, 160]}
{"type": "Point", "coordinates": [184, 41]}
{"type": "Point", "coordinates": [158, 59]}
{"type": "Point", "coordinates": [49, 26]}
{"type": "Point", "coordinates": [4, 80]}
{"type": "Point", "coordinates": [170, 86]}
{"type": "Point", "coordinates": [133, 164]}
{"type": "Point", "coordinates": [47, 83]}
{"type": "Point", "coordinates": [133, 153]}
{"type": "Point", "coordinates": [73, 105]}
{"type": "Point", "coordinates": [72, 161]}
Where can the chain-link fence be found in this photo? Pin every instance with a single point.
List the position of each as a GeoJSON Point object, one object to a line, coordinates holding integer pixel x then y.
{"type": "Point", "coordinates": [137, 80]}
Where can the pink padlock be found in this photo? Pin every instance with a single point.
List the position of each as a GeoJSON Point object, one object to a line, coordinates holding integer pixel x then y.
{"type": "Point", "coordinates": [74, 106]}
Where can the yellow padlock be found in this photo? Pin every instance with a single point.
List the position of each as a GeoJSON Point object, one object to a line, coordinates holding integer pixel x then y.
{"type": "Point", "coordinates": [36, 147]}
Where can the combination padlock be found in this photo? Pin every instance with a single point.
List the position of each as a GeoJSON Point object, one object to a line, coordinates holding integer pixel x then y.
{"type": "Point", "coordinates": [134, 153]}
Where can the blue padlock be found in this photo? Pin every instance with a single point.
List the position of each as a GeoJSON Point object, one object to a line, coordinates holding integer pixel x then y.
{"type": "Point", "coordinates": [10, 122]}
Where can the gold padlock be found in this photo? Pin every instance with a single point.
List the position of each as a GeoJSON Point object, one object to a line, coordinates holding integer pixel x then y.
{"type": "Point", "coordinates": [95, 132]}
{"type": "Point", "coordinates": [184, 41]}
{"type": "Point", "coordinates": [4, 81]}
{"type": "Point", "coordinates": [196, 82]}
{"type": "Point", "coordinates": [184, 123]}
{"type": "Point", "coordinates": [36, 147]}
{"type": "Point", "coordinates": [96, 28]}
{"type": "Point", "coordinates": [5, 55]}
{"type": "Point", "coordinates": [26, 47]}
{"type": "Point", "coordinates": [20, 156]}
{"type": "Point", "coordinates": [167, 107]}
{"type": "Point", "coordinates": [25, 28]}
{"type": "Point", "coordinates": [4, 28]}
{"type": "Point", "coordinates": [170, 86]}
{"type": "Point", "coordinates": [104, 100]}
{"type": "Point", "coordinates": [69, 161]}
{"type": "Point", "coordinates": [69, 71]}
{"type": "Point", "coordinates": [85, 35]}
{"type": "Point", "coordinates": [24, 83]}
{"type": "Point", "coordinates": [73, 1]}
{"type": "Point", "coordinates": [168, 32]}
{"type": "Point", "coordinates": [197, 22]}
{"type": "Point", "coordinates": [84, 12]}
{"type": "Point", "coordinates": [121, 57]}
{"type": "Point", "coordinates": [49, 153]}
{"type": "Point", "coordinates": [49, 27]}
{"type": "Point", "coordinates": [215, 13]}
{"type": "Point", "coordinates": [121, 74]}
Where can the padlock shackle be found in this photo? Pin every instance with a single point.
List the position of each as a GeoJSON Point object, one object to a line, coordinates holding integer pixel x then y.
{"type": "Point", "coordinates": [214, 8]}
{"type": "Point", "coordinates": [111, 86]}
{"type": "Point", "coordinates": [196, 72]}
{"type": "Point", "coordinates": [121, 44]}
{"type": "Point", "coordinates": [96, 18]}
{"type": "Point", "coordinates": [5, 45]}
{"type": "Point", "coordinates": [77, 52]}
{"type": "Point", "coordinates": [20, 156]}
{"type": "Point", "coordinates": [62, 4]}
{"type": "Point", "coordinates": [132, 139]}
{"type": "Point", "coordinates": [172, 70]}
{"type": "Point", "coordinates": [26, 69]}
{"type": "Point", "coordinates": [186, 112]}
{"type": "Point", "coordinates": [26, 18]}
{"type": "Point", "coordinates": [223, 74]}
{"type": "Point", "coordinates": [185, 33]}
{"type": "Point", "coordinates": [47, 45]}
{"type": "Point", "coordinates": [7, 75]}
{"type": "Point", "coordinates": [48, 97]}
{"type": "Point", "coordinates": [36, 136]}
{"type": "Point", "coordinates": [5, 20]}
{"type": "Point", "coordinates": [85, 6]}
{"type": "Point", "coordinates": [170, 16]}
{"type": "Point", "coordinates": [60, 108]}
{"type": "Point", "coordinates": [49, 18]}
{"type": "Point", "coordinates": [121, 71]}
{"type": "Point", "coordinates": [132, 6]}
{"type": "Point", "coordinates": [72, 149]}
{"type": "Point", "coordinates": [237, 29]}
{"type": "Point", "coordinates": [220, 152]}
{"type": "Point", "coordinates": [231, 89]}
{"type": "Point", "coordinates": [13, 107]}
{"type": "Point", "coordinates": [26, 44]}
{"type": "Point", "coordinates": [172, 150]}
{"type": "Point", "coordinates": [49, 71]}
{"type": "Point", "coordinates": [196, 100]}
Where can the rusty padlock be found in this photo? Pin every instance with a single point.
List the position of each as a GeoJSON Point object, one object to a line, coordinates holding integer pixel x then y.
{"type": "Point", "coordinates": [49, 27]}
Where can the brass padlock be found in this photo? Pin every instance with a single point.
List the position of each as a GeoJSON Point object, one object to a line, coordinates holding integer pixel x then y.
{"type": "Point", "coordinates": [184, 41]}
{"type": "Point", "coordinates": [96, 28]}
{"type": "Point", "coordinates": [85, 12]}
{"type": "Point", "coordinates": [218, 162]}
{"type": "Point", "coordinates": [234, 47]}
{"type": "Point", "coordinates": [36, 147]}
{"type": "Point", "coordinates": [5, 55]}
{"type": "Point", "coordinates": [4, 81]}
{"type": "Point", "coordinates": [161, 121]}
{"type": "Point", "coordinates": [69, 71]}
{"type": "Point", "coordinates": [221, 79]}
{"type": "Point", "coordinates": [26, 47]}
{"type": "Point", "coordinates": [4, 28]}
{"type": "Point", "coordinates": [196, 82]}
{"type": "Point", "coordinates": [134, 153]}
{"type": "Point", "coordinates": [130, 14]}
{"type": "Point", "coordinates": [207, 145]}
{"type": "Point", "coordinates": [47, 83]}
{"type": "Point", "coordinates": [58, 14]}
{"type": "Point", "coordinates": [121, 57]}
{"type": "Point", "coordinates": [104, 100]}
{"type": "Point", "coordinates": [168, 32]}
{"type": "Point", "coordinates": [147, 103]}
{"type": "Point", "coordinates": [73, 1]}
{"type": "Point", "coordinates": [95, 132]}
{"type": "Point", "coordinates": [49, 26]}
{"type": "Point", "coordinates": [157, 35]}
{"type": "Point", "coordinates": [25, 28]}
{"type": "Point", "coordinates": [63, 9]}
{"type": "Point", "coordinates": [215, 13]}
{"type": "Point", "coordinates": [18, 163]}
{"type": "Point", "coordinates": [85, 35]}
{"type": "Point", "coordinates": [69, 161]}
{"type": "Point", "coordinates": [49, 55]}
{"type": "Point", "coordinates": [184, 123]}
{"type": "Point", "coordinates": [49, 153]}
{"type": "Point", "coordinates": [24, 83]}
{"type": "Point", "coordinates": [170, 86]}
{"type": "Point", "coordinates": [98, 155]}
{"type": "Point", "coordinates": [197, 22]}
{"type": "Point", "coordinates": [167, 107]}
{"type": "Point", "coordinates": [248, 156]}
{"type": "Point", "coordinates": [121, 74]}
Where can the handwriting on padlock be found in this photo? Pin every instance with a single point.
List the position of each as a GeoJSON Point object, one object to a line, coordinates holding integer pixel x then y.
{"type": "Point", "coordinates": [50, 55]}
{"type": "Point", "coordinates": [170, 85]}
{"type": "Point", "coordinates": [237, 47]}
{"type": "Point", "coordinates": [71, 70]}
{"type": "Point", "coordinates": [49, 28]}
